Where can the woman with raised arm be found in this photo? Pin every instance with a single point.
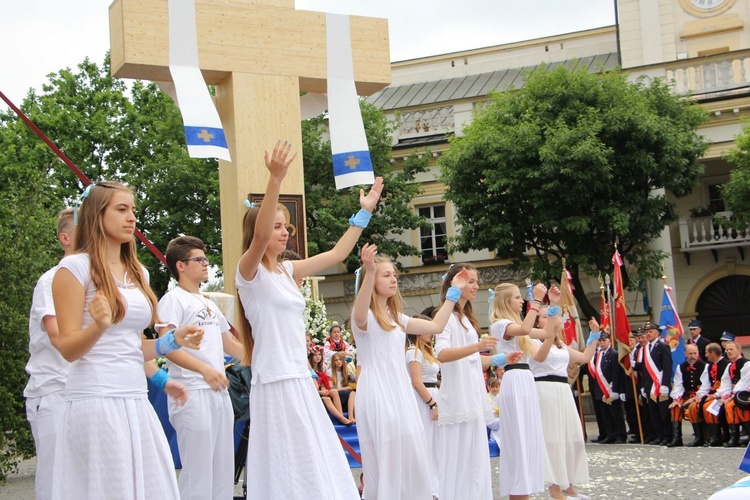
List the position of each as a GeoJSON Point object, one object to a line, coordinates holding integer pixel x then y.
{"type": "Point", "coordinates": [391, 434]}
{"type": "Point", "coordinates": [463, 448]}
{"type": "Point", "coordinates": [521, 440]}
{"type": "Point", "coordinates": [565, 464]}
{"type": "Point", "coordinates": [111, 444]}
{"type": "Point", "coordinates": [295, 452]}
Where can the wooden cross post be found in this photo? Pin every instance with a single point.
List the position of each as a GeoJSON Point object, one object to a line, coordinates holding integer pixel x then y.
{"type": "Point", "coordinates": [260, 54]}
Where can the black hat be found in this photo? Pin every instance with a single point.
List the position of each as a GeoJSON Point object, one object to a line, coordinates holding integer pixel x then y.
{"type": "Point", "coordinates": [694, 323]}
{"type": "Point", "coordinates": [742, 400]}
{"type": "Point", "coordinates": [727, 336]}
{"type": "Point", "coordinates": [604, 336]}
{"type": "Point", "coordinates": [650, 326]}
{"type": "Point", "coordinates": [637, 333]}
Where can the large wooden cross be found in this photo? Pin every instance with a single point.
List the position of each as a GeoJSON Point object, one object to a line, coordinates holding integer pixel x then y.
{"type": "Point", "coordinates": [260, 54]}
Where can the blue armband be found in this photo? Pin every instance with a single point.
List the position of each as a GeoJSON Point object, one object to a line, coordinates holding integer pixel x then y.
{"type": "Point", "coordinates": [593, 337]}
{"type": "Point", "coordinates": [553, 311]}
{"type": "Point", "coordinates": [360, 219]}
{"type": "Point", "coordinates": [166, 344]}
{"type": "Point", "coordinates": [498, 360]}
{"type": "Point", "coordinates": [453, 294]}
{"type": "Point", "coordinates": [159, 379]}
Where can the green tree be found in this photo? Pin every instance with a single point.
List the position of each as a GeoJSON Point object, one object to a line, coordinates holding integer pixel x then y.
{"type": "Point", "coordinates": [571, 164]}
{"type": "Point", "coordinates": [737, 191]}
{"type": "Point", "coordinates": [328, 210]}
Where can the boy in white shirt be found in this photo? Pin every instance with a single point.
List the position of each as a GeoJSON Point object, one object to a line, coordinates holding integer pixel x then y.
{"type": "Point", "coordinates": [204, 425]}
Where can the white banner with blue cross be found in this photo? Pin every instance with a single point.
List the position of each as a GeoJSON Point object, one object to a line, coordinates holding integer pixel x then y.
{"type": "Point", "coordinates": [203, 131]}
{"type": "Point", "coordinates": [352, 165]}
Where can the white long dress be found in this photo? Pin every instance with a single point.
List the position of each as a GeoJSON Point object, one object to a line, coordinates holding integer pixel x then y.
{"type": "Point", "coordinates": [521, 440]}
{"type": "Point", "coordinates": [463, 411]}
{"type": "Point", "coordinates": [565, 461]}
{"type": "Point", "coordinates": [111, 444]}
{"type": "Point", "coordinates": [293, 450]}
{"type": "Point", "coordinates": [390, 431]}
{"type": "Point", "coordinates": [429, 376]}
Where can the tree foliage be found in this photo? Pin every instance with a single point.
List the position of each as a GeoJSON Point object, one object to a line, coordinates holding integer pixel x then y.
{"type": "Point", "coordinates": [328, 210]}
{"type": "Point", "coordinates": [568, 166]}
{"type": "Point", "coordinates": [737, 190]}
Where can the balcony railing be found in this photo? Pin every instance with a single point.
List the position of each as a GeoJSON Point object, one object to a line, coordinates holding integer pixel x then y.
{"type": "Point", "coordinates": [717, 73]}
{"type": "Point", "coordinates": [709, 233]}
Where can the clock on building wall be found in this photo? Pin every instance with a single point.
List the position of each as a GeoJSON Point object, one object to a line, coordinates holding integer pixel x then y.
{"type": "Point", "coordinates": [706, 8]}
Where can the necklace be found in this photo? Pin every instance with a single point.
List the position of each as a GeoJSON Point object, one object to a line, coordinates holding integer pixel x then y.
{"type": "Point", "coordinates": [201, 300]}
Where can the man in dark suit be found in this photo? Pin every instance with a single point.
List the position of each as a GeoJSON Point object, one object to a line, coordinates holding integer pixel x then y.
{"type": "Point", "coordinates": [657, 384]}
{"type": "Point", "coordinates": [589, 369]}
{"type": "Point", "coordinates": [612, 375]}
{"type": "Point", "coordinates": [696, 327]}
{"type": "Point", "coordinates": [639, 371]}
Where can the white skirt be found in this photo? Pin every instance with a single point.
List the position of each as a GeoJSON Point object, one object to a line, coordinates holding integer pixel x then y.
{"type": "Point", "coordinates": [431, 434]}
{"type": "Point", "coordinates": [293, 450]}
{"type": "Point", "coordinates": [464, 456]}
{"type": "Point", "coordinates": [112, 448]}
{"type": "Point", "coordinates": [565, 462]}
{"type": "Point", "coordinates": [521, 442]}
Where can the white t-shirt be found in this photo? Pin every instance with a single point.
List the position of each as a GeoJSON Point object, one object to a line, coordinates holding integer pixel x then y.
{"type": "Point", "coordinates": [497, 330]}
{"type": "Point", "coordinates": [47, 369]}
{"type": "Point", "coordinates": [429, 370]}
{"type": "Point", "coordinates": [113, 367]}
{"type": "Point", "coordinates": [274, 306]}
{"type": "Point", "coordinates": [179, 307]}
{"type": "Point", "coordinates": [556, 363]}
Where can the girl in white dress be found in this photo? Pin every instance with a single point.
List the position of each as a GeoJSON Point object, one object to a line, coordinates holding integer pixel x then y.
{"type": "Point", "coordinates": [565, 462]}
{"type": "Point", "coordinates": [391, 435]}
{"type": "Point", "coordinates": [423, 369]}
{"type": "Point", "coordinates": [463, 448]}
{"type": "Point", "coordinates": [294, 451]}
{"type": "Point", "coordinates": [111, 444]}
{"type": "Point", "coordinates": [521, 440]}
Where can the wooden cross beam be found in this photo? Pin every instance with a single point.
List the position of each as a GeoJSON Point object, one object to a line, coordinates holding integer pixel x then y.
{"type": "Point", "coordinates": [260, 54]}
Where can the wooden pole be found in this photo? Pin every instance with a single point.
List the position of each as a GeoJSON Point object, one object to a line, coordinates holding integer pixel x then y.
{"type": "Point", "coordinates": [637, 406]}
{"type": "Point", "coordinates": [580, 408]}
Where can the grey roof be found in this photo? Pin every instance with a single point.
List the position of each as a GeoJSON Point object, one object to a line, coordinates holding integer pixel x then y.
{"type": "Point", "coordinates": [465, 87]}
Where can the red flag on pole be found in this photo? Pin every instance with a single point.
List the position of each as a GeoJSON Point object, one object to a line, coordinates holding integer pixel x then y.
{"type": "Point", "coordinates": [603, 312]}
{"type": "Point", "coordinates": [572, 326]}
{"type": "Point", "coordinates": [622, 325]}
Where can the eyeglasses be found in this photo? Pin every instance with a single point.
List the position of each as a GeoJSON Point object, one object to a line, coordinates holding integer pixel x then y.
{"type": "Point", "coordinates": [199, 260]}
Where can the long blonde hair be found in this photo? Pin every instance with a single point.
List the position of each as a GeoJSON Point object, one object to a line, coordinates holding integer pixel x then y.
{"type": "Point", "coordinates": [501, 309]}
{"type": "Point", "coordinates": [248, 232]}
{"type": "Point", "coordinates": [420, 345]}
{"type": "Point", "coordinates": [344, 369]}
{"type": "Point", "coordinates": [92, 239]}
{"type": "Point", "coordinates": [393, 305]}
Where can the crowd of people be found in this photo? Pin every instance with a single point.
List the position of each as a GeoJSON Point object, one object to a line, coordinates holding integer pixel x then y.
{"type": "Point", "coordinates": [417, 387]}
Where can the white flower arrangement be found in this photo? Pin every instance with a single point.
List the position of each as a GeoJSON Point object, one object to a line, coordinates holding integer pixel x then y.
{"type": "Point", "coordinates": [315, 316]}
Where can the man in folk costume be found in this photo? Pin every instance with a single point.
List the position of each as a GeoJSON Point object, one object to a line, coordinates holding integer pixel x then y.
{"type": "Point", "coordinates": [717, 365]}
{"type": "Point", "coordinates": [696, 327]}
{"type": "Point", "coordinates": [736, 378]}
{"type": "Point", "coordinates": [596, 394]}
{"type": "Point", "coordinates": [657, 370]}
{"type": "Point", "coordinates": [690, 384]}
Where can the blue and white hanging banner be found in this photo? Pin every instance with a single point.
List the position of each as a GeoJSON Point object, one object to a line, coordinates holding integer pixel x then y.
{"type": "Point", "coordinates": [203, 131]}
{"type": "Point", "coordinates": [352, 165]}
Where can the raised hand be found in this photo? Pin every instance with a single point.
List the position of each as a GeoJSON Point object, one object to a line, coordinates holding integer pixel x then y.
{"type": "Point", "coordinates": [593, 325]}
{"type": "Point", "coordinates": [367, 255]}
{"type": "Point", "coordinates": [513, 357]}
{"type": "Point", "coordinates": [368, 202]}
{"type": "Point", "coordinates": [189, 336]}
{"type": "Point", "coordinates": [540, 291]}
{"type": "Point", "coordinates": [279, 161]}
{"type": "Point", "coordinates": [554, 295]}
{"type": "Point", "coordinates": [177, 391]}
{"type": "Point", "coordinates": [461, 279]}
{"type": "Point", "coordinates": [100, 311]}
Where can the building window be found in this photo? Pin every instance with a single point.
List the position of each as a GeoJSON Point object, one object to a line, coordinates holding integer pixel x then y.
{"type": "Point", "coordinates": [427, 122]}
{"type": "Point", "coordinates": [432, 240]}
{"type": "Point", "coordinates": [715, 201]}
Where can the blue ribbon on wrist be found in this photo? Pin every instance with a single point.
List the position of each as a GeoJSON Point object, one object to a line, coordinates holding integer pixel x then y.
{"type": "Point", "coordinates": [499, 359]}
{"type": "Point", "coordinates": [360, 219]}
{"type": "Point", "coordinates": [553, 311]}
{"type": "Point", "coordinates": [453, 294]}
{"type": "Point", "coordinates": [593, 337]}
{"type": "Point", "coordinates": [160, 378]}
{"type": "Point", "coordinates": [166, 344]}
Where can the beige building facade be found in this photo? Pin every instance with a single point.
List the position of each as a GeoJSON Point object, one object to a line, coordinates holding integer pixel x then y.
{"type": "Point", "coordinates": [701, 46]}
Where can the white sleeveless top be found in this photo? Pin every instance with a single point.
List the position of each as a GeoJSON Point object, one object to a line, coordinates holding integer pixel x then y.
{"type": "Point", "coordinates": [113, 367]}
{"type": "Point", "coordinates": [556, 363]}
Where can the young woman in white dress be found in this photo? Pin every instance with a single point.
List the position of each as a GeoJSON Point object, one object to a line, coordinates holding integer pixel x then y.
{"type": "Point", "coordinates": [423, 369]}
{"type": "Point", "coordinates": [565, 463]}
{"type": "Point", "coordinates": [391, 435]}
{"type": "Point", "coordinates": [111, 444]}
{"type": "Point", "coordinates": [521, 440]}
{"type": "Point", "coordinates": [463, 448]}
{"type": "Point", "coordinates": [294, 451]}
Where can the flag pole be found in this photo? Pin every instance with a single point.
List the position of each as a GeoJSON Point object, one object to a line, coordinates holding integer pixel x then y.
{"type": "Point", "coordinates": [580, 409]}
